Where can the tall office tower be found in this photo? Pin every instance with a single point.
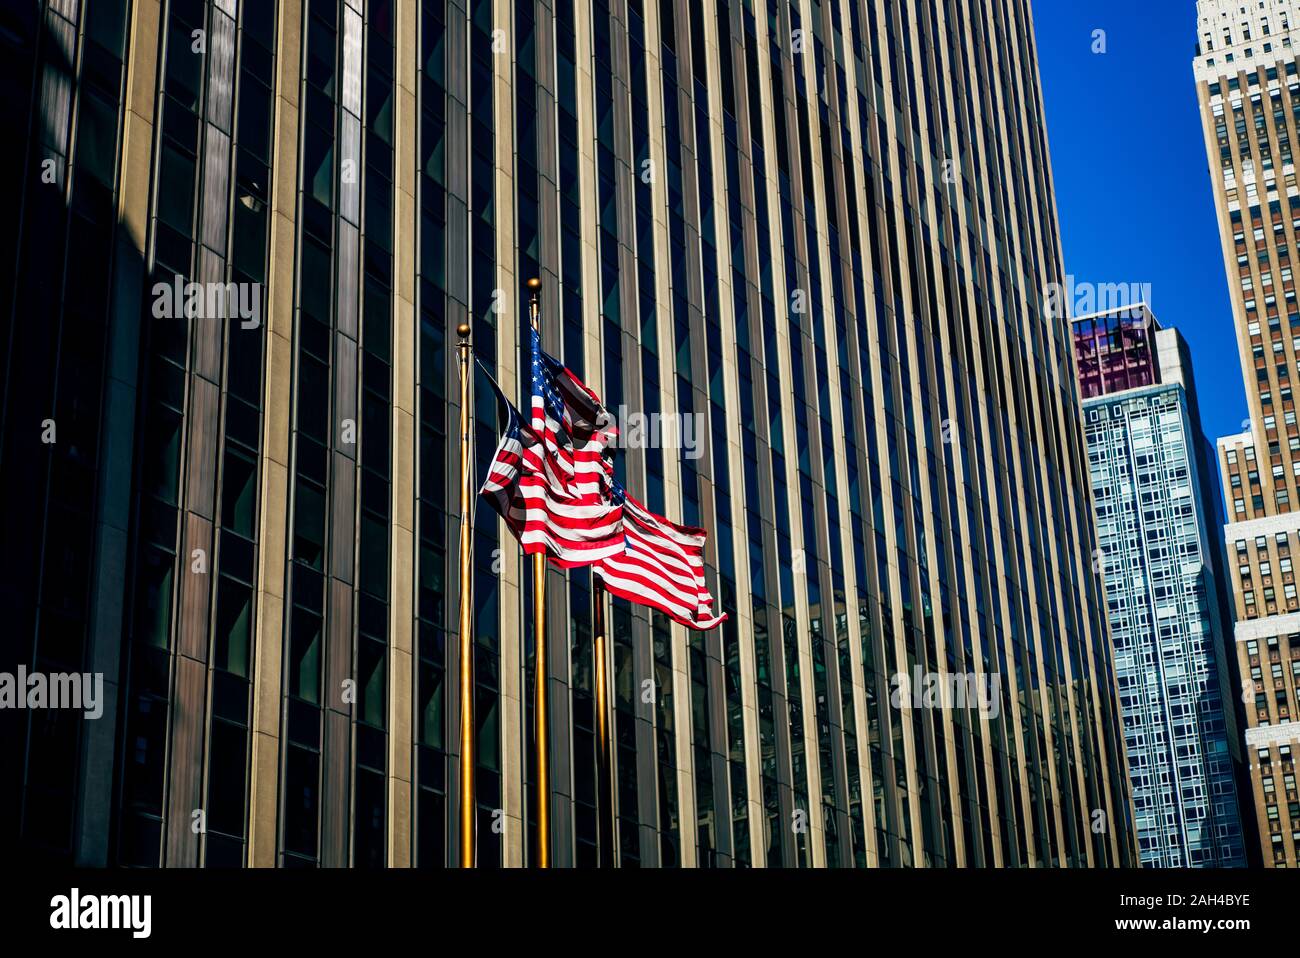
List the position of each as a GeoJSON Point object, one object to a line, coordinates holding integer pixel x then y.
{"type": "Point", "coordinates": [1248, 85]}
{"type": "Point", "coordinates": [1158, 528]}
{"type": "Point", "coordinates": [812, 235]}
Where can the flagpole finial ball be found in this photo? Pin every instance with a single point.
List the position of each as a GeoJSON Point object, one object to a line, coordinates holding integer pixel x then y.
{"type": "Point", "coordinates": [534, 284]}
{"type": "Point", "coordinates": [463, 330]}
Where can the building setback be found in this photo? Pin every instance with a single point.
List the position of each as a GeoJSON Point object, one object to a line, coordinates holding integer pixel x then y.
{"type": "Point", "coordinates": [822, 229]}
{"type": "Point", "coordinates": [1248, 85]}
{"type": "Point", "coordinates": [1158, 525]}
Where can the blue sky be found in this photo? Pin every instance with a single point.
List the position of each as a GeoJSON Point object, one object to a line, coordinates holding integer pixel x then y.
{"type": "Point", "coordinates": [1132, 184]}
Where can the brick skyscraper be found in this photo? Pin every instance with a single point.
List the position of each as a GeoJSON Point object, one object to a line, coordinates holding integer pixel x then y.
{"type": "Point", "coordinates": [1248, 85]}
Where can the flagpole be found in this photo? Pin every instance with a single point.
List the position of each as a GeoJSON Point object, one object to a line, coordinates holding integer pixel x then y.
{"type": "Point", "coordinates": [541, 736]}
{"type": "Point", "coordinates": [604, 765]}
{"type": "Point", "coordinates": [468, 803]}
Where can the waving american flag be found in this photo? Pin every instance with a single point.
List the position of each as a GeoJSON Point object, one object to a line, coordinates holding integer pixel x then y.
{"type": "Point", "coordinates": [662, 566]}
{"type": "Point", "coordinates": [550, 478]}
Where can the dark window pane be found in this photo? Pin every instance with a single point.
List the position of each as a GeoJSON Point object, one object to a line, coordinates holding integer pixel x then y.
{"type": "Point", "coordinates": [313, 398]}
{"type": "Point", "coordinates": [255, 119]}
{"type": "Point", "coordinates": [374, 434]}
{"type": "Point", "coordinates": [374, 557]}
{"type": "Point", "coordinates": [97, 138]}
{"type": "Point", "coordinates": [304, 662]}
{"type": "Point", "coordinates": [314, 290]}
{"type": "Point", "coordinates": [227, 770]}
{"type": "Point", "coordinates": [239, 492]}
{"type": "Point", "coordinates": [184, 66]}
{"type": "Point", "coordinates": [176, 189]}
{"type": "Point", "coordinates": [431, 705]}
{"type": "Point", "coordinates": [249, 245]}
{"type": "Point", "coordinates": [244, 368]}
{"type": "Point", "coordinates": [309, 525]}
{"type": "Point", "coordinates": [318, 163]}
{"type": "Point", "coordinates": [234, 626]}
{"type": "Point", "coordinates": [369, 819]}
{"type": "Point", "coordinates": [104, 20]}
{"type": "Point", "coordinates": [153, 609]}
{"type": "Point", "coordinates": [301, 791]}
{"type": "Point", "coordinates": [320, 54]}
{"type": "Point", "coordinates": [371, 674]}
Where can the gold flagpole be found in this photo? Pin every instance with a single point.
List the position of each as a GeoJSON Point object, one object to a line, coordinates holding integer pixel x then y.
{"type": "Point", "coordinates": [468, 804]}
{"type": "Point", "coordinates": [604, 764]}
{"type": "Point", "coordinates": [542, 777]}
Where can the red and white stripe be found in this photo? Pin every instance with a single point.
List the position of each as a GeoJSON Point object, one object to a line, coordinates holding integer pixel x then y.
{"type": "Point", "coordinates": [577, 450]}
{"type": "Point", "coordinates": [542, 512]}
{"type": "Point", "coordinates": [662, 567]}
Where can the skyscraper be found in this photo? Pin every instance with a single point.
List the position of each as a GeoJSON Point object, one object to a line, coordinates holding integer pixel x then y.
{"type": "Point", "coordinates": [1158, 529]}
{"type": "Point", "coordinates": [812, 237]}
{"type": "Point", "coordinates": [1248, 86]}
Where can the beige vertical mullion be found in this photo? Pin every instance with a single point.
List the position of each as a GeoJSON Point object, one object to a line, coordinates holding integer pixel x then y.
{"type": "Point", "coordinates": [274, 473]}
{"type": "Point", "coordinates": [815, 188]}
{"type": "Point", "coordinates": [1035, 627]}
{"type": "Point", "coordinates": [681, 691]}
{"type": "Point", "coordinates": [858, 231]}
{"type": "Point", "coordinates": [984, 758]}
{"type": "Point", "coordinates": [961, 522]}
{"type": "Point", "coordinates": [839, 428]}
{"type": "Point", "coordinates": [142, 80]}
{"type": "Point", "coordinates": [592, 327]}
{"type": "Point", "coordinates": [930, 495]}
{"type": "Point", "coordinates": [1083, 534]}
{"type": "Point", "coordinates": [979, 413]}
{"type": "Point", "coordinates": [405, 356]}
{"type": "Point", "coordinates": [999, 308]}
{"type": "Point", "coordinates": [797, 539]}
{"type": "Point", "coordinates": [514, 735]}
{"type": "Point", "coordinates": [932, 504]}
{"type": "Point", "coordinates": [1055, 563]}
{"type": "Point", "coordinates": [943, 351]}
{"type": "Point", "coordinates": [898, 653]}
{"type": "Point", "coordinates": [1015, 731]}
{"type": "Point", "coordinates": [735, 454]}
{"type": "Point", "coordinates": [589, 205]}
{"type": "Point", "coordinates": [550, 271]}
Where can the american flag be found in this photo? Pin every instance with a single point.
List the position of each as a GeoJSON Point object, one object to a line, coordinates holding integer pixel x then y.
{"type": "Point", "coordinates": [662, 566]}
{"type": "Point", "coordinates": [552, 488]}
{"type": "Point", "coordinates": [552, 481]}
{"type": "Point", "coordinates": [578, 431]}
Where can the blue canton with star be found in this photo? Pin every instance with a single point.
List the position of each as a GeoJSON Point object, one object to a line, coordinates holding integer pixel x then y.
{"type": "Point", "coordinates": [544, 380]}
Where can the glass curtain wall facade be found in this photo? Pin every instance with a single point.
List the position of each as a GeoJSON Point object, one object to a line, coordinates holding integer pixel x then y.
{"type": "Point", "coordinates": [1158, 531]}
{"type": "Point", "coordinates": [818, 234]}
{"type": "Point", "coordinates": [1247, 71]}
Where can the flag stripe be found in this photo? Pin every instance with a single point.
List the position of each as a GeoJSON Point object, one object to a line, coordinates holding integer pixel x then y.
{"type": "Point", "coordinates": [662, 567]}
{"type": "Point", "coordinates": [550, 481]}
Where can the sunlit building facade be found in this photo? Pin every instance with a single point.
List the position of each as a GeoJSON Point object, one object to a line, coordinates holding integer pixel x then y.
{"type": "Point", "coordinates": [819, 232]}
{"type": "Point", "coordinates": [1248, 85]}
